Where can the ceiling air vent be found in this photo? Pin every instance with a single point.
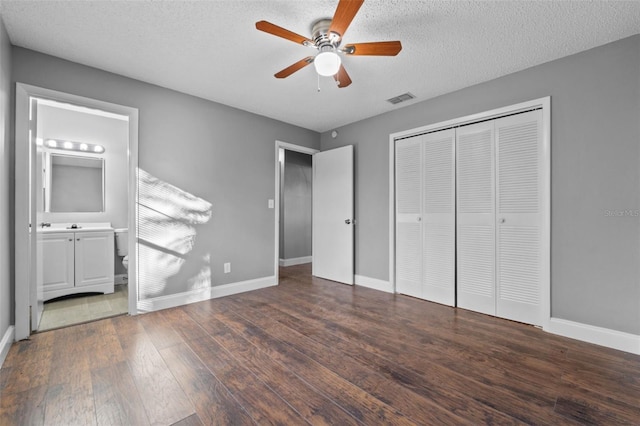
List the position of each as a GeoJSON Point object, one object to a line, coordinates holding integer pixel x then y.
{"type": "Point", "coordinates": [401, 98]}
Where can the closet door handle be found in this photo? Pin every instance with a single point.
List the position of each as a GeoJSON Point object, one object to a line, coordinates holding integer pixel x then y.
{"type": "Point", "coordinates": [503, 220]}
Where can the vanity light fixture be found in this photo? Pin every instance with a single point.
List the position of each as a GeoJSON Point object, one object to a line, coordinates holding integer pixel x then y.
{"type": "Point", "coordinates": [71, 146]}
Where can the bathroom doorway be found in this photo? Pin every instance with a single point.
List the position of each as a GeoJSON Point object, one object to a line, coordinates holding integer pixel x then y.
{"type": "Point", "coordinates": [294, 182]}
{"type": "Point", "coordinates": [81, 179]}
{"type": "Point", "coordinates": [75, 162]}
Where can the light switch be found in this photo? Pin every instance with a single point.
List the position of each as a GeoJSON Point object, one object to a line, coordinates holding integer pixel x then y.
{"type": "Point", "coordinates": [271, 204]}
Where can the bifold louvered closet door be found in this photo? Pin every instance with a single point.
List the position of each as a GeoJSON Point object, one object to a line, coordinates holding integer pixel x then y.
{"type": "Point", "coordinates": [425, 212]}
{"type": "Point", "coordinates": [469, 214]}
{"type": "Point", "coordinates": [519, 213]}
{"type": "Point", "coordinates": [476, 217]}
{"type": "Point", "coordinates": [499, 221]}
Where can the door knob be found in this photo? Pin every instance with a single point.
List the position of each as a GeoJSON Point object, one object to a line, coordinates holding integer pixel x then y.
{"type": "Point", "coordinates": [348, 221]}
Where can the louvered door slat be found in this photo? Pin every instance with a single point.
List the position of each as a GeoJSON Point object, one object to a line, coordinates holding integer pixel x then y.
{"type": "Point", "coordinates": [408, 176]}
{"type": "Point", "coordinates": [408, 259]}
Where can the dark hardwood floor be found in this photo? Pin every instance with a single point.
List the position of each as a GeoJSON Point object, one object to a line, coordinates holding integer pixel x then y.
{"type": "Point", "coordinates": [313, 351]}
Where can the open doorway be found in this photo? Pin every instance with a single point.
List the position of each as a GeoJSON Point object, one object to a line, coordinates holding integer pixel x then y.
{"type": "Point", "coordinates": [76, 161]}
{"type": "Point", "coordinates": [81, 179]}
{"type": "Point", "coordinates": [294, 184]}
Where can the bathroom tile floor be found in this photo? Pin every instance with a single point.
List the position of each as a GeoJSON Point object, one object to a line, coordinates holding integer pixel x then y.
{"type": "Point", "coordinates": [81, 309]}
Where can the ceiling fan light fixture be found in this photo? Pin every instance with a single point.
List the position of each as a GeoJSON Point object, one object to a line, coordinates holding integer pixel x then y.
{"type": "Point", "coordinates": [327, 63]}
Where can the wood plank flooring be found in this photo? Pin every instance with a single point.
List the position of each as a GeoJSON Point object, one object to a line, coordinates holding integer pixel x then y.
{"type": "Point", "coordinates": [311, 351]}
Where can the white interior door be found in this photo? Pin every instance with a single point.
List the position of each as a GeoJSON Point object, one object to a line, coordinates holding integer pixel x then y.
{"type": "Point", "coordinates": [519, 205]}
{"type": "Point", "coordinates": [425, 216]}
{"type": "Point", "coordinates": [439, 217]}
{"type": "Point", "coordinates": [333, 215]}
{"type": "Point", "coordinates": [476, 257]}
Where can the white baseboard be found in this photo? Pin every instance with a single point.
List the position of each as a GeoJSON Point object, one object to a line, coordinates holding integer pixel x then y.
{"type": "Point", "coordinates": [295, 261]}
{"type": "Point", "coordinates": [170, 301]}
{"type": "Point", "coordinates": [5, 343]}
{"type": "Point", "coordinates": [374, 283]}
{"type": "Point", "coordinates": [600, 336]}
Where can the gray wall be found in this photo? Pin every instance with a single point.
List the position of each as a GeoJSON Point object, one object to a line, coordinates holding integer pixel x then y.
{"type": "Point", "coordinates": [6, 186]}
{"type": "Point", "coordinates": [207, 171]}
{"type": "Point", "coordinates": [296, 206]}
{"type": "Point", "coordinates": [595, 141]}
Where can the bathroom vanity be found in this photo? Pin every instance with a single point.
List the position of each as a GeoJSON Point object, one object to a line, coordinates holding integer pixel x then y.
{"type": "Point", "coordinates": [76, 259]}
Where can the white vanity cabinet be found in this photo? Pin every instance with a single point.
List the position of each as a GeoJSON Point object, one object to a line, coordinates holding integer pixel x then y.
{"type": "Point", "coordinates": [77, 262]}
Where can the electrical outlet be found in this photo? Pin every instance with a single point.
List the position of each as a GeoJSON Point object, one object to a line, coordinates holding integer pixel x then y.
{"type": "Point", "coordinates": [271, 203]}
{"type": "Point", "coordinates": [227, 268]}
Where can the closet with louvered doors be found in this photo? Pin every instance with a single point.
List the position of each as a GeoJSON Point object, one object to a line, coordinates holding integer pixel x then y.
{"type": "Point", "coordinates": [425, 216]}
{"type": "Point", "coordinates": [470, 205]}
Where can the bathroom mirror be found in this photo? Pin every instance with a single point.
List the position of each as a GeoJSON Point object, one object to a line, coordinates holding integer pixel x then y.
{"type": "Point", "coordinates": [74, 183]}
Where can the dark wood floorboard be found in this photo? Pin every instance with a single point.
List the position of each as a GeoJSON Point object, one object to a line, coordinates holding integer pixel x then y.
{"type": "Point", "coordinates": [311, 351]}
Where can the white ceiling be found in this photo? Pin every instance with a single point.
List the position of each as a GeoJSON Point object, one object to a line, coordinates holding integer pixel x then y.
{"type": "Point", "coordinates": [211, 49]}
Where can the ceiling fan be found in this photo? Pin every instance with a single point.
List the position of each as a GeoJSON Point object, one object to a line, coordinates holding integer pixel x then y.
{"type": "Point", "coordinates": [326, 38]}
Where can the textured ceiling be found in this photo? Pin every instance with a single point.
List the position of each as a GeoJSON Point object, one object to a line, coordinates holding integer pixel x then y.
{"type": "Point", "coordinates": [211, 49]}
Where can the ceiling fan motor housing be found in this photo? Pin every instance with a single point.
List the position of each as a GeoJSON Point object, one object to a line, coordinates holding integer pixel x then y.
{"type": "Point", "coordinates": [322, 37]}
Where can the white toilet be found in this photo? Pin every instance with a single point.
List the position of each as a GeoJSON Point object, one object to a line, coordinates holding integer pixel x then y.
{"type": "Point", "coordinates": [122, 245]}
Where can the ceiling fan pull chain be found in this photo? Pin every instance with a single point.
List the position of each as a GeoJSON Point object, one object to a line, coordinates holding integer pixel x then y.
{"type": "Point", "coordinates": [318, 83]}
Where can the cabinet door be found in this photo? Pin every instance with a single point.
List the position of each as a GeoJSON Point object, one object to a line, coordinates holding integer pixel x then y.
{"type": "Point", "coordinates": [439, 217]}
{"type": "Point", "coordinates": [57, 266]}
{"type": "Point", "coordinates": [519, 217]}
{"type": "Point", "coordinates": [408, 216]}
{"type": "Point", "coordinates": [94, 258]}
{"type": "Point", "coordinates": [476, 255]}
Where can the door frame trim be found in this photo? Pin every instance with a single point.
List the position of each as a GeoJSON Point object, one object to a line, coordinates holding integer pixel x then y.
{"type": "Point", "coordinates": [22, 255]}
{"type": "Point", "coordinates": [545, 105]}
{"type": "Point", "coordinates": [287, 147]}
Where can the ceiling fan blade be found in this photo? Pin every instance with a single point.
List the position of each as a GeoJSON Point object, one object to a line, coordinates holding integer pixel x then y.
{"type": "Point", "coordinates": [345, 12]}
{"type": "Point", "coordinates": [377, 48]}
{"type": "Point", "coordinates": [270, 28]}
{"type": "Point", "coordinates": [342, 78]}
{"type": "Point", "coordinates": [295, 67]}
